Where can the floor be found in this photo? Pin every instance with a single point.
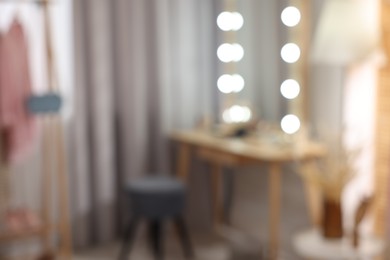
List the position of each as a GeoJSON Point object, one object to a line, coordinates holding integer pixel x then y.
{"type": "Point", "coordinates": [208, 248]}
{"type": "Point", "coordinates": [247, 237]}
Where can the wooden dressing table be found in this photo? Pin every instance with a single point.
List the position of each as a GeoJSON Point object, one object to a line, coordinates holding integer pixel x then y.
{"type": "Point", "coordinates": [220, 151]}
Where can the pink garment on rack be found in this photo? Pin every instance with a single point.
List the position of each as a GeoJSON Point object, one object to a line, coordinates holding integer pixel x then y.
{"type": "Point", "coordinates": [17, 127]}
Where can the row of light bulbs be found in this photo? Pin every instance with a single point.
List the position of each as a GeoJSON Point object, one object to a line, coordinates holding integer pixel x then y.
{"type": "Point", "coordinates": [230, 52]}
{"type": "Point", "coordinates": [290, 53]}
{"type": "Point", "coordinates": [232, 83]}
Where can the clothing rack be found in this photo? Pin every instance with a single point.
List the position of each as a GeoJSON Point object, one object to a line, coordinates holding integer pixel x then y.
{"type": "Point", "coordinates": [47, 109]}
{"type": "Point", "coordinates": [29, 1]}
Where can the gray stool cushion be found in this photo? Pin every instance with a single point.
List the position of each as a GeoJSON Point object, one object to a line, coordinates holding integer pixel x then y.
{"type": "Point", "coordinates": [156, 197]}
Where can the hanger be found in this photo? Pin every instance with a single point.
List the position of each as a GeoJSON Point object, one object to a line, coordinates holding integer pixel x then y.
{"type": "Point", "coordinates": [18, 11]}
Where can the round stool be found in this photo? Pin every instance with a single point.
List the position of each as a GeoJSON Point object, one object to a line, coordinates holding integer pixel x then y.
{"type": "Point", "coordinates": [156, 199]}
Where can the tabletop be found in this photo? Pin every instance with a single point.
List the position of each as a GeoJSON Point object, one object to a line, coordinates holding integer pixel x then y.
{"type": "Point", "coordinates": [252, 147]}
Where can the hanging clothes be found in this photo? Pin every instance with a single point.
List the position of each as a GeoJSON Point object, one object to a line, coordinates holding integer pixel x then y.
{"type": "Point", "coordinates": [17, 127]}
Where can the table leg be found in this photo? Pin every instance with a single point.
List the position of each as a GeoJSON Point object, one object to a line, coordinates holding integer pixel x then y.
{"type": "Point", "coordinates": [47, 183]}
{"type": "Point", "coordinates": [183, 162]}
{"type": "Point", "coordinates": [228, 193]}
{"type": "Point", "coordinates": [62, 179]}
{"type": "Point", "coordinates": [216, 175]}
{"type": "Point", "coordinates": [274, 208]}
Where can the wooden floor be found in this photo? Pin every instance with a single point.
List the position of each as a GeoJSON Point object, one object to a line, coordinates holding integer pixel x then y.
{"type": "Point", "coordinates": [208, 248]}
{"type": "Point", "coordinates": [249, 219]}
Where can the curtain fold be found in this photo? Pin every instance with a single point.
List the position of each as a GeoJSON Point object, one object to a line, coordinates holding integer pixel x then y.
{"type": "Point", "coordinates": [141, 71]}
{"type": "Point", "coordinates": [144, 68]}
{"type": "Point", "coordinates": [93, 148]}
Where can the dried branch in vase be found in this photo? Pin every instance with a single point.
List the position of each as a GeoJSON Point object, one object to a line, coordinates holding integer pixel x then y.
{"type": "Point", "coordinates": [332, 172]}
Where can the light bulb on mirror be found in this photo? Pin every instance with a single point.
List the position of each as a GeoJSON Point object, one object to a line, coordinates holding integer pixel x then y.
{"type": "Point", "coordinates": [238, 21]}
{"type": "Point", "coordinates": [224, 21]}
{"type": "Point", "coordinates": [239, 83]}
{"type": "Point", "coordinates": [237, 52]}
{"type": "Point", "coordinates": [225, 84]}
{"type": "Point", "coordinates": [290, 124]}
{"type": "Point", "coordinates": [237, 114]}
{"type": "Point", "coordinates": [291, 16]}
{"type": "Point", "coordinates": [230, 52]}
{"type": "Point", "coordinates": [224, 52]}
{"type": "Point", "coordinates": [290, 89]}
{"type": "Point", "coordinates": [230, 83]}
{"type": "Point", "coordinates": [230, 21]}
{"type": "Point", "coordinates": [290, 52]}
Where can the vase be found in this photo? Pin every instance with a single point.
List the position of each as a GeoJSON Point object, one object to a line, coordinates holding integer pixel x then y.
{"type": "Point", "coordinates": [332, 226]}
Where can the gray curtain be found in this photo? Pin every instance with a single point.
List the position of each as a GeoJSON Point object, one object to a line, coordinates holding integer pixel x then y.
{"type": "Point", "coordinates": [144, 68]}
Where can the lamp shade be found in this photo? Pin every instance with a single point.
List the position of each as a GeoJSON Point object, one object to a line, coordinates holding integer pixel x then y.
{"type": "Point", "coordinates": [347, 32]}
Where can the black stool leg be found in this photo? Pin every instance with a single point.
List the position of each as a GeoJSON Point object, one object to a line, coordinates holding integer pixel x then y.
{"type": "Point", "coordinates": [155, 238]}
{"type": "Point", "coordinates": [128, 238]}
{"type": "Point", "coordinates": [184, 236]}
{"type": "Point", "coordinates": [228, 196]}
